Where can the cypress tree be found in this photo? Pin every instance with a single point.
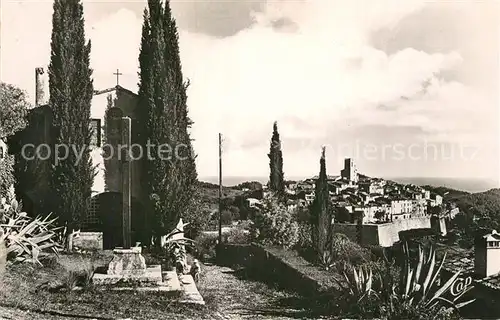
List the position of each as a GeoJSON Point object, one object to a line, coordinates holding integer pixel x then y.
{"type": "Point", "coordinates": [71, 91]}
{"type": "Point", "coordinates": [320, 213]}
{"type": "Point", "coordinates": [186, 175]}
{"type": "Point", "coordinates": [170, 181]}
{"type": "Point", "coordinates": [276, 176]}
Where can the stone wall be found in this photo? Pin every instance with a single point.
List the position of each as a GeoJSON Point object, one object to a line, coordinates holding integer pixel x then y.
{"type": "Point", "coordinates": [385, 234]}
{"type": "Point", "coordinates": [267, 265]}
{"type": "Point", "coordinates": [89, 241]}
{"type": "Point", "coordinates": [108, 175]}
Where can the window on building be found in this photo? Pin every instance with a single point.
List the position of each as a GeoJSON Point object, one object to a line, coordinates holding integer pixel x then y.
{"type": "Point", "coordinates": [92, 217]}
{"type": "Point", "coordinates": [95, 127]}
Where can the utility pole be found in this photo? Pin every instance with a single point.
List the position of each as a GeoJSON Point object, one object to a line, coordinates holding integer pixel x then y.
{"type": "Point", "coordinates": [220, 188]}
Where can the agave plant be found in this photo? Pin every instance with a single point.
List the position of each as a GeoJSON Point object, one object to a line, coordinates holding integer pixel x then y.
{"type": "Point", "coordinates": [25, 238]}
{"type": "Point", "coordinates": [416, 289]}
{"type": "Point", "coordinates": [419, 283]}
{"type": "Point", "coordinates": [326, 261]}
{"type": "Point", "coordinates": [360, 282]}
{"type": "Point", "coordinates": [175, 245]}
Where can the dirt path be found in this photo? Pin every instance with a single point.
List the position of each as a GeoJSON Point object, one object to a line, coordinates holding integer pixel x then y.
{"type": "Point", "coordinates": [234, 296]}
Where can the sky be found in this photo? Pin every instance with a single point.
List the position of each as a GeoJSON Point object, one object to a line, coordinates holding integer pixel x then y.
{"type": "Point", "coordinates": [406, 88]}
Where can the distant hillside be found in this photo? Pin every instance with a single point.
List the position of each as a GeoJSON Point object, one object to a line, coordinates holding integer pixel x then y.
{"type": "Point", "coordinates": [448, 194]}
{"type": "Point", "coordinates": [471, 185]}
{"type": "Point", "coordinates": [482, 203]}
{"type": "Point", "coordinates": [210, 193]}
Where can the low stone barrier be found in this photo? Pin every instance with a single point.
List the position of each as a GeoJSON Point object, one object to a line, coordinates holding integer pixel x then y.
{"type": "Point", "coordinates": [283, 267]}
{"type": "Point", "coordinates": [91, 241]}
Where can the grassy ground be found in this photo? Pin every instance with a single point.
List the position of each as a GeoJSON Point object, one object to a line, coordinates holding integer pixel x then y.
{"type": "Point", "coordinates": [228, 295]}
{"type": "Point", "coordinates": [29, 287]}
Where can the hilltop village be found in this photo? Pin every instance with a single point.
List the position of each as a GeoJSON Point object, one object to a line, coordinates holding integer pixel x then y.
{"type": "Point", "coordinates": [375, 200]}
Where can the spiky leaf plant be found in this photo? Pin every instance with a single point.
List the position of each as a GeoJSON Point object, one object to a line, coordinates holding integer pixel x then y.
{"type": "Point", "coordinates": [417, 289]}
{"type": "Point", "coordinates": [25, 238]}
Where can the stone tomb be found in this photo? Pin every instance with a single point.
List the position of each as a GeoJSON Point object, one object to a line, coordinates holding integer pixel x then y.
{"type": "Point", "coordinates": [128, 264]}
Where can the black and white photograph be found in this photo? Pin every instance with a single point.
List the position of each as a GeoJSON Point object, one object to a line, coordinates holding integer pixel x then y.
{"type": "Point", "coordinates": [249, 159]}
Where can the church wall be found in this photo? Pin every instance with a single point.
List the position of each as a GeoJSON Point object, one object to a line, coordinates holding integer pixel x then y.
{"type": "Point", "coordinates": [112, 181]}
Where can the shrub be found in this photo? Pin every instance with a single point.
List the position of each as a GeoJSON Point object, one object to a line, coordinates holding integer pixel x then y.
{"type": "Point", "coordinates": [226, 217]}
{"type": "Point", "coordinates": [303, 216]}
{"type": "Point", "coordinates": [238, 236]}
{"type": "Point", "coordinates": [275, 225]}
{"type": "Point", "coordinates": [205, 246]}
{"type": "Point", "coordinates": [79, 277]}
{"type": "Point", "coordinates": [343, 250]}
{"type": "Point", "coordinates": [198, 221]}
{"type": "Point", "coordinates": [198, 216]}
{"type": "Point", "coordinates": [235, 215]}
{"type": "Point", "coordinates": [25, 238]}
{"type": "Point", "coordinates": [304, 242]}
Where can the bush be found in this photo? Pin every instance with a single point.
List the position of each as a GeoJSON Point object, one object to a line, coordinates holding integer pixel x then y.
{"type": "Point", "coordinates": [303, 216]}
{"type": "Point", "coordinates": [205, 246]}
{"type": "Point", "coordinates": [6, 176]}
{"type": "Point", "coordinates": [238, 236]}
{"type": "Point", "coordinates": [198, 216]}
{"type": "Point", "coordinates": [235, 213]}
{"type": "Point", "coordinates": [226, 217]}
{"type": "Point", "coordinates": [304, 241]}
{"type": "Point", "coordinates": [275, 225]}
{"type": "Point", "coordinates": [343, 250]}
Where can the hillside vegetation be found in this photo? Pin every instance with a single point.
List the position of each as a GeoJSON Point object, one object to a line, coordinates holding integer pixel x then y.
{"type": "Point", "coordinates": [477, 211]}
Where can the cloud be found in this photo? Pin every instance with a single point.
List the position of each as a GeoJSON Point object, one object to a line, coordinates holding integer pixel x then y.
{"type": "Point", "coordinates": [321, 78]}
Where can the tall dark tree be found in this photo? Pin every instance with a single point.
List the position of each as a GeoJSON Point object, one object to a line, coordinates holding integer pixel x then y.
{"type": "Point", "coordinates": [321, 213]}
{"type": "Point", "coordinates": [171, 178]}
{"type": "Point", "coordinates": [276, 176]}
{"type": "Point", "coordinates": [13, 110]}
{"type": "Point", "coordinates": [71, 90]}
{"type": "Point", "coordinates": [184, 155]}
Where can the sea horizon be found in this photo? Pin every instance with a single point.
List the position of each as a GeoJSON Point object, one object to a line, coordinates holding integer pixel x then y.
{"type": "Point", "coordinates": [472, 185]}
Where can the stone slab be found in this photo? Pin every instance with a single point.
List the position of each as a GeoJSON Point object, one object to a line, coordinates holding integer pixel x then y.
{"type": "Point", "coordinates": [191, 293]}
{"type": "Point", "coordinates": [171, 278]}
{"type": "Point", "coordinates": [152, 275]}
{"type": "Point", "coordinates": [125, 251]}
{"type": "Point", "coordinates": [88, 241]}
{"type": "Point", "coordinates": [160, 288]}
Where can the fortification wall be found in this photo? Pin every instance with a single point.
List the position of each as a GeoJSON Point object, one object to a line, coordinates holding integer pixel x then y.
{"type": "Point", "coordinates": [385, 234]}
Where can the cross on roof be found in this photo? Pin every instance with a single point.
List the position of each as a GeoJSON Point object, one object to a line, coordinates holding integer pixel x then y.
{"type": "Point", "coordinates": [118, 74]}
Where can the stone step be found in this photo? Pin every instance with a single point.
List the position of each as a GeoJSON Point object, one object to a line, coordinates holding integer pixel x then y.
{"type": "Point", "coordinates": [172, 279]}
{"type": "Point", "coordinates": [170, 284]}
{"type": "Point", "coordinates": [152, 274]}
{"type": "Point", "coordinates": [191, 293]}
